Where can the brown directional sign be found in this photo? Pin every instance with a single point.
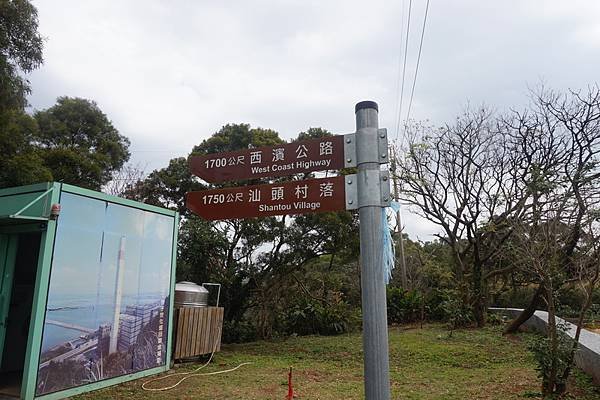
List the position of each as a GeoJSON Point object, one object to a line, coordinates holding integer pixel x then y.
{"type": "Point", "coordinates": [294, 197]}
{"type": "Point", "coordinates": [286, 159]}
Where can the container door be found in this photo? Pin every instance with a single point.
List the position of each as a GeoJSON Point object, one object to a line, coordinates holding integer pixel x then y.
{"type": "Point", "coordinates": [8, 251]}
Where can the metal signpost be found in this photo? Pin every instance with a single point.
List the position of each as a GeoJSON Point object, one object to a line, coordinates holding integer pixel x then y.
{"type": "Point", "coordinates": [368, 191]}
{"type": "Point", "coordinates": [370, 155]}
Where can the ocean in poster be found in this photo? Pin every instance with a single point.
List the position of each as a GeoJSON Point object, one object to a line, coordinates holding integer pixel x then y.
{"type": "Point", "coordinates": [85, 312]}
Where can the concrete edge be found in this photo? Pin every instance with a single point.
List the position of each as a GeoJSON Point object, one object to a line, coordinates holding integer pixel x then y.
{"type": "Point", "coordinates": [587, 357]}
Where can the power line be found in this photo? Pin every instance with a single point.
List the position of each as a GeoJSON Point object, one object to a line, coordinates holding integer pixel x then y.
{"type": "Point", "coordinates": [404, 69]}
{"type": "Point", "coordinates": [412, 92]}
{"type": "Point", "coordinates": [400, 53]}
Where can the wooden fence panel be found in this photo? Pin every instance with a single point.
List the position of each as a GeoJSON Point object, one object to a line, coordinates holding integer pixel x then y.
{"type": "Point", "coordinates": [198, 331]}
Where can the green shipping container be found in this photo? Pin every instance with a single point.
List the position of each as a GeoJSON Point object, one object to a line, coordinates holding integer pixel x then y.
{"type": "Point", "coordinates": [86, 290]}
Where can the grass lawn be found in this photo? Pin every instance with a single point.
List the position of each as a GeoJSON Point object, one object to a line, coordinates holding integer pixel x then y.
{"type": "Point", "coordinates": [424, 364]}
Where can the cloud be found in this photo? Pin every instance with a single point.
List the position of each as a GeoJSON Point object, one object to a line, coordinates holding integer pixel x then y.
{"type": "Point", "coordinates": [171, 74]}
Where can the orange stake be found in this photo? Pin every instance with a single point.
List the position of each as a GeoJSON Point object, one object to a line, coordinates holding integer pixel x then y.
{"type": "Point", "coordinates": [290, 395]}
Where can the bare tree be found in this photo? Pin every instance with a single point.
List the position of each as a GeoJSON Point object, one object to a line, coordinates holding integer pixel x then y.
{"type": "Point", "coordinates": [538, 248]}
{"type": "Point", "coordinates": [561, 137]}
{"type": "Point", "coordinates": [124, 179]}
{"type": "Point", "coordinates": [555, 241]}
{"type": "Point", "coordinates": [468, 179]}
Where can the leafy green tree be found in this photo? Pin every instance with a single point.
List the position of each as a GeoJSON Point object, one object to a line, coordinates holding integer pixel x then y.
{"type": "Point", "coordinates": [233, 137]}
{"type": "Point", "coordinates": [313, 133]}
{"type": "Point", "coordinates": [211, 251]}
{"type": "Point", "coordinates": [200, 250]}
{"type": "Point", "coordinates": [20, 51]}
{"type": "Point", "coordinates": [264, 264]}
{"type": "Point", "coordinates": [21, 162]}
{"type": "Point", "coordinates": [79, 143]}
{"type": "Point", "coordinates": [323, 243]}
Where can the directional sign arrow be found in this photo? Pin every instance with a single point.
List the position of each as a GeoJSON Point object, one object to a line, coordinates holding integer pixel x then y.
{"type": "Point", "coordinates": [281, 160]}
{"type": "Point", "coordinates": [294, 197]}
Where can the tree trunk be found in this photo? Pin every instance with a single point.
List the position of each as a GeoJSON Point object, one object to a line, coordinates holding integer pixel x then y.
{"type": "Point", "coordinates": [422, 307]}
{"type": "Point", "coordinates": [478, 295]}
{"type": "Point", "coordinates": [514, 326]}
{"type": "Point", "coordinates": [561, 386]}
{"type": "Point", "coordinates": [479, 311]}
{"type": "Point", "coordinates": [549, 386]}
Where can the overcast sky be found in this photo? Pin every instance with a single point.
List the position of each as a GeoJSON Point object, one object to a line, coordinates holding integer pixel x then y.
{"type": "Point", "coordinates": [171, 73]}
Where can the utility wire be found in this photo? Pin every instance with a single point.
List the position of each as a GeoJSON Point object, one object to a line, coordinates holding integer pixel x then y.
{"type": "Point", "coordinates": [398, 119]}
{"type": "Point", "coordinates": [400, 54]}
{"type": "Point", "coordinates": [404, 69]}
{"type": "Point", "coordinates": [412, 92]}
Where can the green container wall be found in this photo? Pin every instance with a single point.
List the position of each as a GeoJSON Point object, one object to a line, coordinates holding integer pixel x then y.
{"type": "Point", "coordinates": [69, 345]}
{"type": "Point", "coordinates": [21, 201]}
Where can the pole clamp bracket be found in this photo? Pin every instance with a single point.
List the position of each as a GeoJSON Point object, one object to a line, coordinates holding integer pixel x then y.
{"type": "Point", "coordinates": [382, 146]}
{"type": "Point", "coordinates": [369, 198]}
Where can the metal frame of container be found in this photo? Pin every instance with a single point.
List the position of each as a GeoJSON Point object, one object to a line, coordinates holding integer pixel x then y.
{"type": "Point", "coordinates": [26, 209]}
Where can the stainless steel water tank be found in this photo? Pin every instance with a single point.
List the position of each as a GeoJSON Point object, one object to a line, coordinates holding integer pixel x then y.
{"type": "Point", "coordinates": [189, 294]}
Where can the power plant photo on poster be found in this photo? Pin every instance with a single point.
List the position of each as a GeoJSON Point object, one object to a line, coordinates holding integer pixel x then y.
{"type": "Point", "coordinates": [108, 303]}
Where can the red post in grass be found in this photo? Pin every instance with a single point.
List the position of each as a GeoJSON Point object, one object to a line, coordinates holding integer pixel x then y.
{"type": "Point", "coordinates": [290, 395]}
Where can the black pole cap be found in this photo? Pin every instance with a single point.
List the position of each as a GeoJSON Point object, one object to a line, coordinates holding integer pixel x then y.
{"type": "Point", "coordinates": [366, 104]}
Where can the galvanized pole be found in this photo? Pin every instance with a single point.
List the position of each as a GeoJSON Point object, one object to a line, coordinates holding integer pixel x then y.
{"type": "Point", "coordinates": [375, 334]}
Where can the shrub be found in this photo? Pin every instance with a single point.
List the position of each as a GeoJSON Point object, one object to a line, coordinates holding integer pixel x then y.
{"type": "Point", "coordinates": [495, 319]}
{"type": "Point", "coordinates": [458, 314]}
{"type": "Point", "coordinates": [541, 348]}
{"type": "Point", "coordinates": [570, 298]}
{"type": "Point", "coordinates": [403, 306]}
{"type": "Point", "coordinates": [434, 301]}
{"type": "Point", "coordinates": [519, 297]}
{"type": "Point", "coordinates": [308, 316]}
{"type": "Point", "coordinates": [238, 332]}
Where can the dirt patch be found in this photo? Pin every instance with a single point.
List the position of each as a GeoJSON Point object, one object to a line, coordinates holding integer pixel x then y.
{"type": "Point", "coordinates": [406, 327]}
{"type": "Point", "coordinates": [313, 376]}
{"type": "Point", "coordinates": [513, 338]}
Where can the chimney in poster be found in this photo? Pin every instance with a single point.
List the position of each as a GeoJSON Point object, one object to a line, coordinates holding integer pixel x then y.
{"type": "Point", "coordinates": [114, 332]}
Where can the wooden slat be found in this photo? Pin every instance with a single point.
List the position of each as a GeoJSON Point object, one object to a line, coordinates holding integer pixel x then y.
{"type": "Point", "coordinates": [213, 328]}
{"type": "Point", "coordinates": [178, 335]}
{"type": "Point", "coordinates": [190, 333]}
{"type": "Point", "coordinates": [207, 341]}
{"type": "Point", "coordinates": [205, 323]}
{"type": "Point", "coordinates": [200, 338]}
{"type": "Point", "coordinates": [201, 323]}
{"type": "Point", "coordinates": [207, 346]}
{"type": "Point", "coordinates": [219, 327]}
{"type": "Point", "coordinates": [194, 320]}
{"type": "Point", "coordinates": [184, 328]}
{"type": "Point", "coordinates": [175, 330]}
{"type": "Point", "coordinates": [205, 327]}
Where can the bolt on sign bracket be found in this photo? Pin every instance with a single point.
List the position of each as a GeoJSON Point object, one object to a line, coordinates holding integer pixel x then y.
{"type": "Point", "coordinates": [383, 199]}
{"type": "Point", "coordinates": [349, 150]}
{"type": "Point", "coordinates": [382, 145]}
